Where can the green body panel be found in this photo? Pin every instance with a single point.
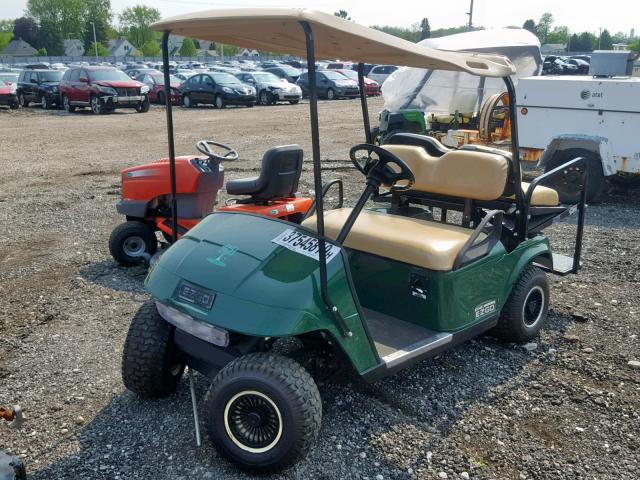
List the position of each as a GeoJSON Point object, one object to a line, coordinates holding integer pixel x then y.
{"type": "Point", "coordinates": [263, 289]}
{"type": "Point", "coordinates": [415, 116]}
{"type": "Point", "coordinates": [452, 297]}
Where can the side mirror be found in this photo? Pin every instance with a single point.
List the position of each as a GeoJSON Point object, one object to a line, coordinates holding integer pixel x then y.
{"type": "Point", "coordinates": [84, 80]}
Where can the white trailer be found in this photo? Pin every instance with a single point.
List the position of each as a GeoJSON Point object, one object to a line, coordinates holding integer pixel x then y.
{"type": "Point", "coordinates": [561, 118]}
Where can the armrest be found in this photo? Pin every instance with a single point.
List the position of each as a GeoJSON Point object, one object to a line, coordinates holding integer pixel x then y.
{"type": "Point", "coordinates": [471, 250]}
{"type": "Point", "coordinates": [552, 173]}
{"type": "Point", "coordinates": [325, 189]}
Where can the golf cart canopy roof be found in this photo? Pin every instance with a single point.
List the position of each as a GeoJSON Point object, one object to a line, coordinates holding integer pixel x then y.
{"type": "Point", "coordinates": [279, 30]}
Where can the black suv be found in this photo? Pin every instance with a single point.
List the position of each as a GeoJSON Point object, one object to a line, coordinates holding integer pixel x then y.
{"type": "Point", "coordinates": [39, 86]}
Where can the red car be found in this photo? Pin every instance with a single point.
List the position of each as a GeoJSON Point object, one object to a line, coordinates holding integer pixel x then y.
{"type": "Point", "coordinates": [8, 95]}
{"type": "Point", "coordinates": [371, 87]}
{"type": "Point", "coordinates": [155, 82]}
{"type": "Point", "coordinates": [103, 89]}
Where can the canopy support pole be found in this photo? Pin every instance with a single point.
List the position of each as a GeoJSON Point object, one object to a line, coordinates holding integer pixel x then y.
{"type": "Point", "coordinates": [172, 151]}
{"type": "Point", "coordinates": [521, 219]}
{"type": "Point", "coordinates": [317, 180]}
{"type": "Point", "coordinates": [363, 104]}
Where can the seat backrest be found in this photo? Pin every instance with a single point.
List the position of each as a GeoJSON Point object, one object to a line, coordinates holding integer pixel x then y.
{"type": "Point", "coordinates": [475, 175]}
{"type": "Point", "coordinates": [280, 174]}
{"type": "Point", "coordinates": [432, 146]}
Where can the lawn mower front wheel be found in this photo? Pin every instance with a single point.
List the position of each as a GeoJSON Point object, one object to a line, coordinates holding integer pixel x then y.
{"type": "Point", "coordinates": [131, 242]}
{"type": "Point", "coordinates": [263, 412]}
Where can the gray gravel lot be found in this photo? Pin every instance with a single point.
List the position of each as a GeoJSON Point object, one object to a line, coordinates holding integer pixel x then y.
{"type": "Point", "coordinates": [567, 409]}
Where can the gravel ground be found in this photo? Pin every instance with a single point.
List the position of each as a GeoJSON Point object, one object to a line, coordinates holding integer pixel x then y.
{"type": "Point", "coordinates": [565, 408]}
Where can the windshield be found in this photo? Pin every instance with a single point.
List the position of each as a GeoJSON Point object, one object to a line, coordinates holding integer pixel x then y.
{"type": "Point", "coordinates": [350, 74]}
{"type": "Point", "coordinates": [224, 78]}
{"type": "Point", "coordinates": [332, 75]}
{"type": "Point", "coordinates": [9, 77]}
{"type": "Point", "coordinates": [266, 77]}
{"type": "Point", "coordinates": [290, 70]}
{"type": "Point", "coordinates": [99, 75]}
{"type": "Point", "coordinates": [52, 76]}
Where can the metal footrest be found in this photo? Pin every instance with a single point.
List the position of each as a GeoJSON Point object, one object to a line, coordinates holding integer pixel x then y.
{"type": "Point", "coordinates": [562, 264]}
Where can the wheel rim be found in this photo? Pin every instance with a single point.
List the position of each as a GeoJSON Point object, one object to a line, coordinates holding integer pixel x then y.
{"type": "Point", "coordinates": [65, 101]}
{"type": "Point", "coordinates": [134, 246]}
{"type": "Point", "coordinates": [219, 102]}
{"type": "Point", "coordinates": [330, 94]}
{"type": "Point", "coordinates": [533, 307]}
{"type": "Point", "coordinates": [186, 101]}
{"type": "Point", "coordinates": [22, 101]}
{"type": "Point", "coordinates": [95, 105]}
{"type": "Point", "coordinates": [253, 421]}
{"type": "Point", "coordinates": [43, 100]}
{"type": "Point", "coordinates": [264, 99]}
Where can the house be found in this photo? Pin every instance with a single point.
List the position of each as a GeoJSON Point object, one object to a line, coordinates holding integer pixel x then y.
{"type": "Point", "coordinates": [19, 48]}
{"type": "Point", "coordinates": [553, 48]}
{"type": "Point", "coordinates": [73, 47]}
{"type": "Point", "coordinates": [121, 48]}
{"type": "Point", "coordinates": [247, 52]}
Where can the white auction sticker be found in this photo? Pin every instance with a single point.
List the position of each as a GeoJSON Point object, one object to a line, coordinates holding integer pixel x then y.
{"type": "Point", "coordinates": [305, 245]}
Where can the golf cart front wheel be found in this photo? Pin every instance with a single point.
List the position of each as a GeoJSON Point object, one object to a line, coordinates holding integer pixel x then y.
{"type": "Point", "coordinates": [152, 365]}
{"type": "Point", "coordinates": [11, 467]}
{"type": "Point", "coordinates": [263, 412]}
{"type": "Point", "coordinates": [131, 242]}
{"type": "Point", "coordinates": [525, 312]}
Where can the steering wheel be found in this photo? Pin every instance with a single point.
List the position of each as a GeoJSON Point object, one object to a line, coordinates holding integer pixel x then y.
{"type": "Point", "coordinates": [382, 170]}
{"type": "Point", "coordinates": [206, 147]}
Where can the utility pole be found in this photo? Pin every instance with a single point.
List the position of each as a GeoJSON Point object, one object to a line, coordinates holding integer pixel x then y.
{"type": "Point", "coordinates": [470, 13]}
{"type": "Point", "coordinates": [600, 39]}
{"type": "Point", "coordinates": [95, 41]}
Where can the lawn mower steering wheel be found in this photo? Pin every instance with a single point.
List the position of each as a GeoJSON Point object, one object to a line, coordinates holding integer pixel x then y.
{"type": "Point", "coordinates": [381, 170]}
{"type": "Point", "coordinates": [206, 147]}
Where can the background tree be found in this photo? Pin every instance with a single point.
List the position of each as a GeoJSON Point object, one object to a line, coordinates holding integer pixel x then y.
{"type": "Point", "coordinates": [136, 22]}
{"type": "Point", "coordinates": [5, 38]}
{"type": "Point", "coordinates": [51, 38]}
{"type": "Point", "coordinates": [102, 50]}
{"type": "Point", "coordinates": [151, 49]}
{"type": "Point", "coordinates": [99, 12]}
{"type": "Point", "coordinates": [63, 18]}
{"type": "Point", "coordinates": [531, 26]}
{"type": "Point", "coordinates": [606, 42]}
{"type": "Point", "coordinates": [574, 43]}
{"type": "Point", "coordinates": [425, 29]}
{"type": "Point", "coordinates": [7, 25]}
{"type": "Point", "coordinates": [188, 49]}
{"type": "Point", "coordinates": [586, 42]}
{"type": "Point", "coordinates": [42, 52]}
{"type": "Point", "coordinates": [558, 35]}
{"type": "Point", "coordinates": [544, 27]}
{"type": "Point", "coordinates": [27, 29]}
{"type": "Point", "coordinates": [342, 14]}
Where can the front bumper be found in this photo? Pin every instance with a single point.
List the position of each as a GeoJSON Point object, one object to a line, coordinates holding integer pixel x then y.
{"type": "Point", "coordinates": [347, 92]}
{"type": "Point", "coordinates": [286, 96]}
{"type": "Point", "coordinates": [238, 99]}
{"type": "Point", "coordinates": [11, 99]}
{"type": "Point", "coordinates": [115, 101]}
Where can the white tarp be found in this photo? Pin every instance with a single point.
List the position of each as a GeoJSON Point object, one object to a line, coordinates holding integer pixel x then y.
{"type": "Point", "coordinates": [445, 92]}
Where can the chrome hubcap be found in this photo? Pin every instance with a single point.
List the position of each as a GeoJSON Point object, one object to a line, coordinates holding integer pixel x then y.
{"type": "Point", "coordinates": [253, 421]}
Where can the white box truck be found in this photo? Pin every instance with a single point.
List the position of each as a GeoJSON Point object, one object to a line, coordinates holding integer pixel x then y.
{"type": "Point", "coordinates": [561, 118]}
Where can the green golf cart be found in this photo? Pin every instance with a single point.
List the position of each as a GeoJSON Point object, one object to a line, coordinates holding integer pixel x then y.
{"type": "Point", "coordinates": [450, 247]}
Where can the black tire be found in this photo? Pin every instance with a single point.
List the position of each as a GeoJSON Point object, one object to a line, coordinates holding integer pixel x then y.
{"type": "Point", "coordinates": [144, 106]}
{"type": "Point", "coordinates": [130, 241]}
{"type": "Point", "coordinates": [284, 393]}
{"type": "Point", "coordinates": [14, 105]}
{"type": "Point", "coordinates": [12, 466]}
{"type": "Point", "coordinates": [294, 102]}
{"type": "Point", "coordinates": [219, 102]}
{"type": "Point", "coordinates": [567, 185]}
{"type": "Point", "coordinates": [525, 311]}
{"type": "Point", "coordinates": [161, 99]}
{"type": "Point", "coordinates": [331, 94]}
{"type": "Point", "coordinates": [264, 98]}
{"type": "Point", "coordinates": [66, 104]}
{"type": "Point", "coordinates": [97, 107]}
{"type": "Point", "coordinates": [186, 101]}
{"type": "Point", "coordinates": [24, 103]}
{"type": "Point", "coordinates": [152, 365]}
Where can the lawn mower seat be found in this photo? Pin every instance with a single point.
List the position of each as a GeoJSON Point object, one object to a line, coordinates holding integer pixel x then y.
{"type": "Point", "coordinates": [432, 146]}
{"type": "Point", "coordinates": [279, 175]}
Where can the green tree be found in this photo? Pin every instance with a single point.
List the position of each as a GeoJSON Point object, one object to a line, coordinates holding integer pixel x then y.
{"type": "Point", "coordinates": [151, 49]}
{"type": "Point", "coordinates": [64, 18]}
{"type": "Point", "coordinates": [27, 29]}
{"type": "Point", "coordinates": [102, 50]}
{"type": "Point", "coordinates": [342, 14]}
{"type": "Point", "coordinates": [531, 26]}
{"type": "Point", "coordinates": [635, 46]}
{"type": "Point", "coordinates": [7, 25]}
{"type": "Point", "coordinates": [558, 35]}
{"type": "Point", "coordinates": [98, 12]}
{"type": "Point", "coordinates": [51, 38]}
{"type": "Point", "coordinates": [606, 42]}
{"type": "Point", "coordinates": [574, 43]}
{"type": "Point", "coordinates": [425, 29]}
{"type": "Point", "coordinates": [42, 52]}
{"type": "Point", "coordinates": [586, 42]}
{"type": "Point", "coordinates": [136, 22]}
{"type": "Point", "coordinates": [5, 38]}
{"type": "Point", "coordinates": [544, 27]}
{"type": "Point", "coordinates": [188, 49]}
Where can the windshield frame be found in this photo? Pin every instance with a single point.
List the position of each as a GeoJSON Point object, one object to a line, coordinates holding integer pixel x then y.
{"type": "Point", "coordinates": [42, 76]}
{"type": "Point", "coordinates": [272, 77]}
{"type": "Point", "coordinates": [122, 77]}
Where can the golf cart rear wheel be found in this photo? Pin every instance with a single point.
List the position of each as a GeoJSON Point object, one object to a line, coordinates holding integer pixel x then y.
{"type": "Point", "coordinates": [152, 365]}
{"type": "Point", "coordinates": [568, 183]}
{"type": "Point", "coordinates": [263, 412]}
{"type": "Point", "coordinates": [131, 241]}
{"type": "Point", "coordinates": [11, 467]}
{"type": "Point", "coordinates": [525, 312]}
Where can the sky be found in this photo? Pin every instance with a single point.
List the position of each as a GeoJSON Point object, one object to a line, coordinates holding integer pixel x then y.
{"type": "Point", "coordinates": [578, 15]}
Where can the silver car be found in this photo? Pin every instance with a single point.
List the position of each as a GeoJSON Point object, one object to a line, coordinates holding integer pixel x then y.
{"type": "Point", "coordinates": [270, 88]}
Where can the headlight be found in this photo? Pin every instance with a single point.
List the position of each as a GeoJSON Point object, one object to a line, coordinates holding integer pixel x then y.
{"type": "Point", "coordinates": [144, 89]}
{"type": "Point", "coordinates": [54, 89]}
{"type": "Point", "coordinates": [276, 89]}
{"type": "Point", "coordinates": [107, 90]}
{"type": "Point", "coordinates": [197, 328]}
{"type": "Point", "coordinates": [252, 91]}
{"type": "Point", "coordinates": [227, 90]}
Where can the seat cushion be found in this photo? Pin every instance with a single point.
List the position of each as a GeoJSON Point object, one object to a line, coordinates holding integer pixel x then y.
{"type": "Point", "coordinates": [542, 196]}
{"type": "Point", "coordinates": [426, 244]}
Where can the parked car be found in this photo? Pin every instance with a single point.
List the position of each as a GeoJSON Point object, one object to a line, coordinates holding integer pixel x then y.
{"type": "Point", "coordinates": [300, 65]}
{"type": "Point", "coordinates": [586, 58]}
{"type": "Point", "coordinates": [380, 73]}
{"type": "Point", "coordinates": [342, 66]}
{"type": "Point", "coordinates": [39, 86]}
{"type": "Point", "coordinates": [270, 88]}
{"type": "Point", "coordinates": [138, 70]}
{"type": "Point", "coordinates": [556, 66]}
{"type": "Point", "coordinates": [155, 82]}
{"type": "Point", "coordinates": [182, 76]}
{"type": "Point", "coordinates": [102, 89]}
{"type": "Point", "coordinates": [330, 85]}
{"type": "Point", "coordinates": [285, 71]}
{"type": "Point", "coordinates": [219, 89]}
{"type": "Point", "coordinates": [371, 87]}
{"type": "Point", "coordinates": [9, 77]}
{"type": "Point", "coordinates": [583, 67]}
{"type": "Point", "coordinates": [8, 95]}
